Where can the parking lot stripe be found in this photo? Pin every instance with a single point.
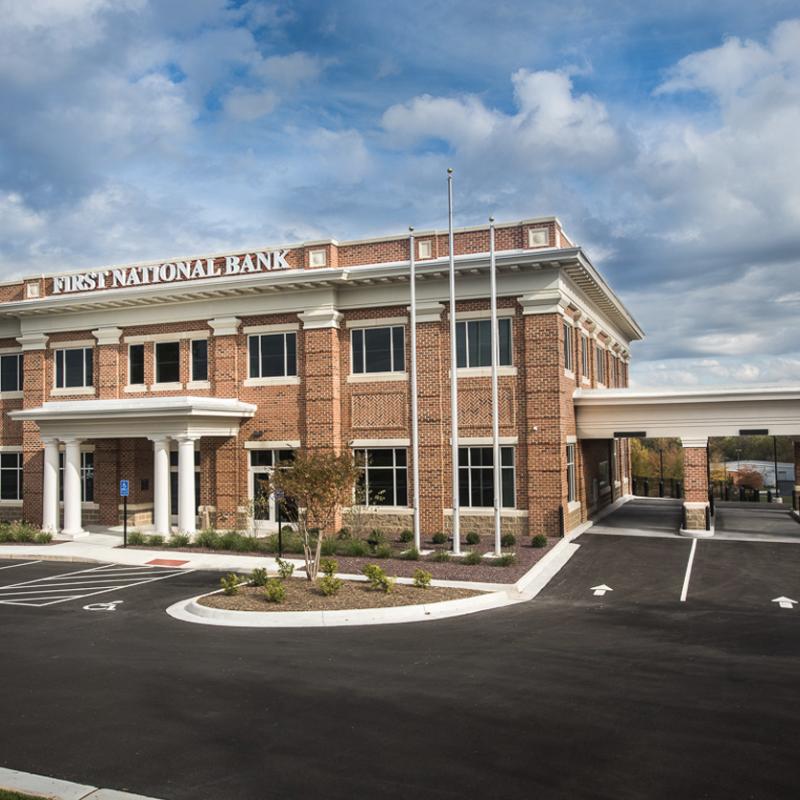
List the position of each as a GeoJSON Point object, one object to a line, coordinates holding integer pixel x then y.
{"type": "Point", "coordinates": [688, 575]}
{"type": "Point", "coordinates": [22, 564]}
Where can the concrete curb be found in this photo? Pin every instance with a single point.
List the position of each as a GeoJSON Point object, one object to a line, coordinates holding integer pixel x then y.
{"type": "Point", "coordinates": [54, 789]}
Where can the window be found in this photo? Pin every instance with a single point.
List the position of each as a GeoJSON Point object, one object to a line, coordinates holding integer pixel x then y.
{"type": "Point", "coordinates": [378, 349]}
{"type": "Point", "coordinates": [474, 342]}
{"type": "Point", "coordinates": [74, 367]}
{"type": "Point", "coordinates": [568, 347]}
{"type": "Point", "coordinates": [317, 258]}
{"type": "Point", "coordinates": [135, 364]}
{"type": "Point", "coordinates": [10, 476]}
{"type": "Point", "coordinates": [262, 462]}
{"type": "Point", "coordinates": [584, 355]}
{"type": "Point", "coordinates": [475, 476]}
{"type": "Point", "coordinates": [614, 371]}
{"type": "Point", "coordinates": [273, 355]}
{"type": "Point", "coordinates": [11, 373]}
{"type": "Point", "coordinates": [425, 248]}
{"type": "Point", "coordinates": [199, 359]}
{"type": "Point", "coordinates": [87, 477]}
{"type": "Point", "coordinates": [600, 377]}
{"type": "Point", "coordinates": [572, 489]}
{"type": "Point", "coordinates": [384, 477]}
{"type": "Point", "coordinates": [168, 362]}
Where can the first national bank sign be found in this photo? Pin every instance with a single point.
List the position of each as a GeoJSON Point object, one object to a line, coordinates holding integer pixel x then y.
{"type": "Point", "coordinates": [171, 272]}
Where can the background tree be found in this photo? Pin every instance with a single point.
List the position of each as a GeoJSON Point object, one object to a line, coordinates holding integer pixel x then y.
{"type": "Point", "coordinates": [748, 477]}
{"type": "Point", "coordinates": [319, 483]}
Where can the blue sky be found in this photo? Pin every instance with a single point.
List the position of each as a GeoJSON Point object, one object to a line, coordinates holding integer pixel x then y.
{"type": "Point", "coordinates": [664, 137]}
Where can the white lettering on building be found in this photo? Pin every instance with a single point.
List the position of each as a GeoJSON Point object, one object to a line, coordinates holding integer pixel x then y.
{"type": "Point", "coordinates": [170, 272]}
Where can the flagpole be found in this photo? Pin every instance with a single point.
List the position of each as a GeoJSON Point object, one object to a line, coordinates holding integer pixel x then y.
{"type": "Point", "coordinates": [414, 405]}
{"type": "Point", "coordinates": [453, 370]}
{"type": "Point", "coordinates": [495, 339]}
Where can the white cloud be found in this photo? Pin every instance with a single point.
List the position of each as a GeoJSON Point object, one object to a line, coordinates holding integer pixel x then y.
{"type": "Point", "coordinates": [247, 106]}
{"type": "Point", "coordinates": [290, 70]}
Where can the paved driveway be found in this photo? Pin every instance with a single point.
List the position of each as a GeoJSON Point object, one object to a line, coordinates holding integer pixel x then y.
{"type": "Point", "coordinates": [626, 695]}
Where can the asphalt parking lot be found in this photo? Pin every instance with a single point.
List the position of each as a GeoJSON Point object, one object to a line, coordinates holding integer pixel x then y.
{"type": "Point", "coordinates": [628, 694]}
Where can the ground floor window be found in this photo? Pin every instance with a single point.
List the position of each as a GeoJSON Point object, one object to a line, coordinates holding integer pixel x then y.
{"type": "Point", "coordinates": [476, 477]}
{"type": "Point", "coordinates": [384, 476]}
{"type": "Point", "coordinates": [10, 476]}
{"type": "Point", "coordinates": [262, 463]}
{"type": "Point", "coordinates": [87, 477]}
{"type": "Point", "coordinates": [572, 489]}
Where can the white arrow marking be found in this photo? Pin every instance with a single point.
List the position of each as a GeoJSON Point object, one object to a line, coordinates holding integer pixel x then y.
{"type": "Point", "coordinates": [110, 606]}
{"type": "Point", "coordinates": [599, 591]}
{"type": "Point", "coordinates": [785, 602]}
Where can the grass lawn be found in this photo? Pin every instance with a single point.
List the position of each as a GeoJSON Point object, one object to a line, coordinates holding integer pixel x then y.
{"type": "Point", "coordinates": [5, 794]}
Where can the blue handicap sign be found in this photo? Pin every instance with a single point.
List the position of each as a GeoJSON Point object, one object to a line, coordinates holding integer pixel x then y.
{"type": "Point", "coordinates": [123, 488]}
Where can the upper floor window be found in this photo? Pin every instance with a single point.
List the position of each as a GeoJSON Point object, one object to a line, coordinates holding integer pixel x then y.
{"type": "Point", "coordinates": [74, 367]}
{"type": "Point", "coordinates": [474, 342]}
{"type": "Point", "coordinates": [568, 347]}
{"type": "Point", "coordinates": [383, 480]}
{"type": "Point", "coordinates": [476, 476]}
{"type": "Point", "coordinates": [584, 355]}
{"type": "Point", "coordinates": [199, 359]}
{"type": "Point", "coordinates": [273, 355]}
{"type": "Point", "coordinates": [11, 373]}
{"type": "Point", "coordinates": [378, 349]}
{"type": "Point", "coordinates": [600, 371]}
{"type": "Point", "coordinates": [168, 362]}
{"type": "Point", "coordinates": [135, 365]}
{"type": "Point", "coordinates": [614, 371]}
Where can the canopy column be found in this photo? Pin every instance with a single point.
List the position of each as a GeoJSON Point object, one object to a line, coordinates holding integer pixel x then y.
{"type": "Point", "coordinates": [187, 510]}
{"type": "Point", "coordinates": [50, 486]}
{"type": "Point", "coordinates": [696, 508]}
{"type": "Point", "coordinates": [161, 509]}
{"type": "Point", "coordinates": [72, 489]}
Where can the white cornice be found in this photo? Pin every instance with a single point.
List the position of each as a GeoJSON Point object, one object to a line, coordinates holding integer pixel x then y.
{"type": "Point", "coordinates": [225, 326]}
{"type": "Point", "coordinates": [32, 341]}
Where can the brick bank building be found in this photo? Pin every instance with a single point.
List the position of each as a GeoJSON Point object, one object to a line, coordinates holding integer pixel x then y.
{"type": "Point", "coordinates": [194, 378]}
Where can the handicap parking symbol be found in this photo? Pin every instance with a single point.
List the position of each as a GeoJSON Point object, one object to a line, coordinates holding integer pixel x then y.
{"type": "Point", "coordinates": [110, 606]}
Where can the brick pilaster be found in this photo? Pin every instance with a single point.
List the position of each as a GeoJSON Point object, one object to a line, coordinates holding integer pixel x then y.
{"type": "Point", "coordinates": [108, 377]}
{"type": "Point", "coordinates": [695, 481]}
{"type": "Point", "coordinates": [34, 392]}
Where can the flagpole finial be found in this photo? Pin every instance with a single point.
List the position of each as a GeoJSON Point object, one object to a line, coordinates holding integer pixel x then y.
{"type": "Point", "coordinates": [449, 170]}
{"type": "Point", "coordinates": [411, 229]}
{"type": "Point", "coordinates": [491, 220]}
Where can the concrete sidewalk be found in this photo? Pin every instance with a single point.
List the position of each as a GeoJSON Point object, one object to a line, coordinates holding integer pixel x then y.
{"type": "Point", "coordinates": [105, 548]}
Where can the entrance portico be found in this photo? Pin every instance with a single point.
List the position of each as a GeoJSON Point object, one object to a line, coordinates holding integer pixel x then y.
{"type": "Point", "coordinates": [184, 420]}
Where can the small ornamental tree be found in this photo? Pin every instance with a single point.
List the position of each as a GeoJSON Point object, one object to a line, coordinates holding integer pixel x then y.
{"type": "Point", "coordinates": [319, 483]}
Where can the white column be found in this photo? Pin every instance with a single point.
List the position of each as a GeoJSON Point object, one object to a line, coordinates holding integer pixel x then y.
{"type": "Point", "coordinates": [72, 488]}
{"type": "Point", "coordinates": [50, 489]}
{"type": "Point", "coordinates": [186, 507]}
{"type": "Point", "coordinates": [161, 510]}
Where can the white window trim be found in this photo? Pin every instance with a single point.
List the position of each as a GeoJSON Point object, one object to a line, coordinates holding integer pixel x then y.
{"type": "Point", "coordinates": [278, 327]}
{"type": "Point", "coordinates": [14, 449]}
{"type": "Point", "coordinates": [142, 384]}
{"type": "Point", "coordinates": [377, 322]}
{"type": "Point", "coordinates": [10, 351]}
{"type": "Point", "coordinates": [360, 444]}
{"type": "Point", "coordinates": [166, 387]}
{"type": "Point", "coordinates": [264, 525]}
{"type": "Point", "coordinates": [66, 390]}
{"type": "Point", "coordinates": [513, 468]}
{"type": "Point", "coordinates": [286, 380]}
{"type": "Point", "coordinates": [394, 469]}
{"type": "Point", "coordinates": [568, 373]}
{"type": "Point", "coordinates": [485, 372]}
{"type": "Point", "coordinates": [166, 337]}
{"type": "Point", "coordinates": [134, 388]}
{"type": "Point", "coordinates": [376, 377]}
{"type": "Point", "coordinates": [74, 390]}
{"type": "Point", "coordinates": [481, 316]}
{"type": "Point", "coordinates": [573, 505]}
{"type": "Point", "coordinates": [486, 441]}
{"type": "Point", "coordinates": [73, 344]}
{"type": "Point", "coordinates": [405, 511]}
{"type": "Point", "coordinates": [290, 444]}
{"type": "Point", "coordinates": [198, 385]}
{"type": "Point", "coordinates": [18, 395]}
{"type": "Point", "coordinates": [486, 511]}
{"type": "Point", "coordinates": [502, 313]}
{"type": "Point", "coordinates": [428, 246]}
{"type": "Point", "coordinates": [192, 383]}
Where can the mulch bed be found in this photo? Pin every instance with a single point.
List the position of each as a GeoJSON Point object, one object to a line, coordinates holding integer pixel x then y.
{"type": "Point", "coordinates": [525, 557]}
{"type": "Point", "coordinates": [301, 595]}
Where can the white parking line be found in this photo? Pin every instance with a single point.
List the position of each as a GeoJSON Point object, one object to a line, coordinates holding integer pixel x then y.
{"type": "Point", "coordinates": [688, 571]}
{"type": "Point", "coordinates": [53, 589]}
{"type": "Point", "coordinates": [22, 564]}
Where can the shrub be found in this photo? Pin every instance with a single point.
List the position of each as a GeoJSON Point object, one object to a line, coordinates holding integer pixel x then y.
{"type": "Point", "coordinates": [412, 554]}
{"type": "Point", "coordinates": [156, 540]}
{"type": "Point", "coordinates": [274, 591]}
{"type": "Point", "coordinates": [329, 585]}
{"type": "Point", "coordinates": [422, 579]}
{"type": "Point", "coordinates": [441, 555]}
{"type": "Point", "coordinates": [508, 540]}
{"type": "Point", "coordinates": [43, 537]}
{"type": "Point", "coordinates": [473, 557]}
{"type": "Point", "coordinates": [230, 583]}
{"type": "Point", "coordinates": [473, 538]}
{"type": "Point", "coordinates": [376, 537]}
{"type": "Point", "coordinates": [383, 551]}
{"type": "Point", "coordinates": [406, 535]}
{"type": "Point", "coordinates": [23, 532]}
{"type": "Point", "coordinates": [505, 560]}
{"type": "Point", "coordinates": [235, 541]}
{"type": "Point", "coordinates": [438, 538]}
{"type": "Point", "coordinates": [353, 547]}
{"type": "Point", "coordinates": [5, 533]}
{"type": "Point", "coordinates": [343, 533]}
{"type": "Point", "coordinates": [329, 566]}
{"type": "Point", "coordinates": [540, 540]}
{"type": "Point", "coordinates": [136, 538]}
{"type": "Point", "coordinates": [258, 577]}
{"type": "Point", "coordinates": [178, 540]}
{"type": "Point", "coordinates": [285, 568]}
{"type": "Point", "coordinates": [287, 530]}
{"type": "Point", "coordinates": [377, 578]}
{"type": "Point", "coordinates": [329, 547]}
{"type": "Point", "coordinates": [208, 538]}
